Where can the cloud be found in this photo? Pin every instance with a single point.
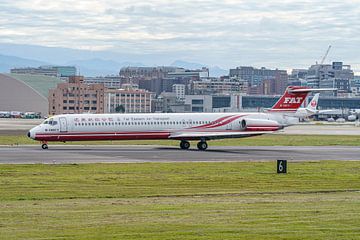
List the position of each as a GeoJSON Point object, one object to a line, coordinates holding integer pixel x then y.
{"type": "Point", "coordinates": [228, 33]}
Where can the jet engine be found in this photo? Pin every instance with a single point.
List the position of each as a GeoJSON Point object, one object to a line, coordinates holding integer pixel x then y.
{"type": "Point", "coordinates": [259, 125]}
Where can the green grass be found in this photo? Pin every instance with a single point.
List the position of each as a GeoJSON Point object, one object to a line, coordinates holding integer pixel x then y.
{"type": "Point", "coordinates": [265, 140]}
{"type": "Point", "coordinates": [315, 200]}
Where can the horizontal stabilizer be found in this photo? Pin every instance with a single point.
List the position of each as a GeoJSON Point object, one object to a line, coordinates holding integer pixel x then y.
{"type": "Point", "coordinates": [307, 90]}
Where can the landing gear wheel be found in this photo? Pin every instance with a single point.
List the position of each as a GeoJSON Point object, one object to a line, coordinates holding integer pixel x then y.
{"type": "Point", "coordinates": [202, 146]}
{"type": "Point", "coordinates": [44, 146]}
{"type": "Point", "coordinates": [184, 145]}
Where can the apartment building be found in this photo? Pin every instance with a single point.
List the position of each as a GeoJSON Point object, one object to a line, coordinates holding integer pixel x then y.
{"type": "Point", "coordinates": [76, 97]}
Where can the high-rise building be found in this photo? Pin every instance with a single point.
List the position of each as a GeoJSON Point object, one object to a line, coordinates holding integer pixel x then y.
{"type": "Point", "coordinates": [335, 75]}
{"type": "Point", "coordinates": [134, 74]}
{"type": "Point", "coordinates": [108, 81]}
{"type": "Point", "coordinates": [256, 75]}
{"type": "Point", "coordinates": [219, 86]}
{"type": "Point", "coordinates": [179, 90]}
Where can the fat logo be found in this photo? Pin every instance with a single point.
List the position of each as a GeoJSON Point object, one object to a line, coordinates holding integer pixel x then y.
{"type": "Point", "coordinates": [292, 100]}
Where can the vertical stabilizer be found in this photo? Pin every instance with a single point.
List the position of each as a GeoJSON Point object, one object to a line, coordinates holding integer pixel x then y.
{"type": "Point", "coordinates": [312, 106]}
{"type": "Point", "coordinates": [291, 100]}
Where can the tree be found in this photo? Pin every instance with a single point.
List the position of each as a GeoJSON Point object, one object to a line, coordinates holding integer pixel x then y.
{"type": "Point", "coordinates": [120, 109]}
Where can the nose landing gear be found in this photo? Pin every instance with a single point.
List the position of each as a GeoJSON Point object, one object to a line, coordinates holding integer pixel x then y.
{"type": "Point", "coordinates": [44, 145]}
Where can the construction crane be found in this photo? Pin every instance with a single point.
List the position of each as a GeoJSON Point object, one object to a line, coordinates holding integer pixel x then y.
{"type": "Point", "coordinates": [327, 52]}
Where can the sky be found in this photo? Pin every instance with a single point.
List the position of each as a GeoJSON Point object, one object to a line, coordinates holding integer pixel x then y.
{"type": "Point", "coordinates": [284, 34]}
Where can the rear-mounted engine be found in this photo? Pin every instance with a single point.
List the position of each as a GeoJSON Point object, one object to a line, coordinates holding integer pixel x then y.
{"type": "Point", "coordinates": [259, 125]}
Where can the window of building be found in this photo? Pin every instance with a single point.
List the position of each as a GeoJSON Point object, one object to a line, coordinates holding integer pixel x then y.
{"type": "Point", "coordinates": [197, 101]}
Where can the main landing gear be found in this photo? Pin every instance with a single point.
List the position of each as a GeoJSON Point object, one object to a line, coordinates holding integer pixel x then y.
{"type": "Point", "coordinates": [44, 145]}
{"type": "Point", "coordinates": [202, 145]}
{"type": "Point", "coordinates": [184, 145]}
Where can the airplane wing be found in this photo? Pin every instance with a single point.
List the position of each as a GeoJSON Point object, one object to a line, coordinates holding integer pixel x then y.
{"type": "Point", "coordinates": [188, 135]}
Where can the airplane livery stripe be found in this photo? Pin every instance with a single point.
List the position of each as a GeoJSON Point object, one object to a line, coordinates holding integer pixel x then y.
{"type": "Point", "coordinates": [213, 122]}
{"type": "Point", "coordinates": [226, 122]}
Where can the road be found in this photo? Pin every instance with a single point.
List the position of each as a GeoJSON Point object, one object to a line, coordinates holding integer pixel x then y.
{"type": "Point", "coordinates": [132, 154]}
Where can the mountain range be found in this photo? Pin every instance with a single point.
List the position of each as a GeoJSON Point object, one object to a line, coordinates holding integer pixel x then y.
{"type": "Point", "coordinates": [88, 63]}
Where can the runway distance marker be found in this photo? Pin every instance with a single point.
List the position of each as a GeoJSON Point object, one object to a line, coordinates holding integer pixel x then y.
{"type": "Point", "coordinates": [281, 166]}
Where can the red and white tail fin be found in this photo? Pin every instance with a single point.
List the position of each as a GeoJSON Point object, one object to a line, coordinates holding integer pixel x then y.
{"type": "Point", "coordinates": [291, 100]}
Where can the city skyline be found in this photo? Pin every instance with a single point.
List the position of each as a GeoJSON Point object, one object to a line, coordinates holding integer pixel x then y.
{"type": "Point", "coordinates": [281, 34]}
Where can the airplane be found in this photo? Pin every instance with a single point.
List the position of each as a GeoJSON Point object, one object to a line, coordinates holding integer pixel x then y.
{"type": "Point", "coordinates": [184, 127]}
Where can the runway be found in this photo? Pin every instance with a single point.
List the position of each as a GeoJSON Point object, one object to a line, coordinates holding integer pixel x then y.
{"type": "Point", "coordinates": [133, 154]}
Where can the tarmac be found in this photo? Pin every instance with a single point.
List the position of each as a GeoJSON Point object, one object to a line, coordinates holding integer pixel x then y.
{"type": "Point", "coordinates": [60, 154]}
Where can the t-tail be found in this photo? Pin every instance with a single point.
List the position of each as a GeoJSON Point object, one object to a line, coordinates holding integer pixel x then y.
{"type": "Point", "coordinates": [291, 100]}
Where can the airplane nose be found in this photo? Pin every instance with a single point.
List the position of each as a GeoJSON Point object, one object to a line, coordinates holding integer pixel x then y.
{"type": "Point", "coordinates": [31, 133]}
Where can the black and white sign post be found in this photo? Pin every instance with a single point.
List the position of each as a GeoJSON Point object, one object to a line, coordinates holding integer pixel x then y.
{"type": "Point", "coordinates": [281, 166]}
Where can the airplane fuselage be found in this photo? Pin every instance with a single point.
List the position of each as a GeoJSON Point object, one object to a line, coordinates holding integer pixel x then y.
{"type": "Point", "coordinates": [78, 127]}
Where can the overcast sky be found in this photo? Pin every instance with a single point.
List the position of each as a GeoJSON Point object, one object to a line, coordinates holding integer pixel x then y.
{"type": "Point", "coordinates": [228, 33]}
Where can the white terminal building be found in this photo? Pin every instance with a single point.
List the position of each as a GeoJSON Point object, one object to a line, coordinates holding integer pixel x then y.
{"type": "Point", "coordinates": [128, 99]}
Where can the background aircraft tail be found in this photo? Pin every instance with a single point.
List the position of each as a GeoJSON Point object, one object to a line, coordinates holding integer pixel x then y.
{"type": "Point", "coordinates": [312, 106]}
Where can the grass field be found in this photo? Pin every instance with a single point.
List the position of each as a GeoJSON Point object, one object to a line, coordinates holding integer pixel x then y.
{"type": "Point", "coordinates": [265, 140]}
{"type": "Point", "coordinates": [315, 200]}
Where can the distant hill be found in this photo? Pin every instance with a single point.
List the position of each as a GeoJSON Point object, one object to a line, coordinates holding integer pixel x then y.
{"type": "Point", "coordinates": [8, 62]}
{"type": "Point", "coordinates": [90, 63]}
{"type": "Point", "coordinates": [100, 67]}
{"type": "Point", "coordinates": [214, 71]}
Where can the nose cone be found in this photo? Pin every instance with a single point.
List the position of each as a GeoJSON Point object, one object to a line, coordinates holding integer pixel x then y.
{"type": "Point", "coordinates": [31, 133]}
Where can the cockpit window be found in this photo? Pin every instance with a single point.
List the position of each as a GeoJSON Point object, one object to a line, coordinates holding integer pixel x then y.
{"type": "Point", "coordinates": [50, 122]}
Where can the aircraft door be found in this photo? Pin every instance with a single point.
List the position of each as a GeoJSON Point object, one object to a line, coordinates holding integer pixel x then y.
{"type": "Point", "coordinates": [229, 126]}
{"type": "Point", "coordinates": [183, 123]}
{"type": "Point", "coordinates": [63, 124]}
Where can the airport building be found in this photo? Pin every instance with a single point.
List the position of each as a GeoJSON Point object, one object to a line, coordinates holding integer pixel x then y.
{"type": "Point", "coordinates": [26, 92]}
{"type": "Point", "coordinates": [76, 97]}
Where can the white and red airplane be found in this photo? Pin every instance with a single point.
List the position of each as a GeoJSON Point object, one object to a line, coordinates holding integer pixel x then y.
{"type": "Point", "coordinates": [178, 126]}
